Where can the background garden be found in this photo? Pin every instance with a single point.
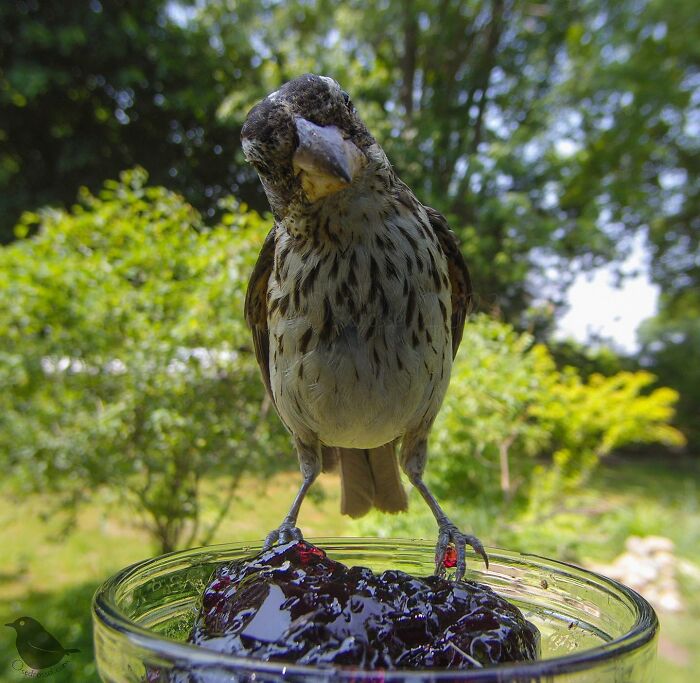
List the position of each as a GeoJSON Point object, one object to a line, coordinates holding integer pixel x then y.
{"type": "Point", "coordinates": [132, 417]}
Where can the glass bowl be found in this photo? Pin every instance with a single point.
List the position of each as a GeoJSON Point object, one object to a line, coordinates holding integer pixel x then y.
{"type": "Point", "coordinates": [593, 628]}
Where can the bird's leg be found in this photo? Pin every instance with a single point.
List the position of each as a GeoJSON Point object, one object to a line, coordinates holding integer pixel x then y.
{"type": "Point", "coordinates": [310, 465]}
{"type": "Point", "coordinates": [414, 455]}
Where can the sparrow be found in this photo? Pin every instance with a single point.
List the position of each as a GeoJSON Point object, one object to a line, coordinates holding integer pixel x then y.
{"type": "Point", "coordinates": [357, 304]}
{"type": "Point", "coordinates": [35, 645]}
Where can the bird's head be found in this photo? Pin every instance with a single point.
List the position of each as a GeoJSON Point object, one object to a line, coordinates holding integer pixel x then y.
{"type": "Point", "coordinates": [306, 142]}
{"type": "Point", "coordinates": [24, 624]}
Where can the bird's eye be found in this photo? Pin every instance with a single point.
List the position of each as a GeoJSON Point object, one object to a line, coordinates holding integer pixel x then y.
{"type": "Point", "coordinates": [347, 100]}
{"type": "Point", "coordinates": [21, 623]}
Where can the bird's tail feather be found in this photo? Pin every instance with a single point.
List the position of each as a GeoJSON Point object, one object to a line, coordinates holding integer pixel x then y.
{"type": "Point", "coordinates": [370, 477]}
{"type": "Point", "coordinates": [329, 458]}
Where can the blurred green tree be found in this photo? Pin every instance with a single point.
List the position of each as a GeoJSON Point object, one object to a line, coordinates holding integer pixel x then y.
{"type": "Point", "coordinates": [587, 420]}
{"type": "Point", "coordinates": [509, 406]}
{"type": "Point", "coordinates": [125, 363]}
{"type": "Point", "coordinates": [547, 133]}
{"type": "Point", "coordinates": [671, 350]}
{"type": "Point", "coordinates": [88, 89]}
{"type": "Point", "coordinates": [124, 358]}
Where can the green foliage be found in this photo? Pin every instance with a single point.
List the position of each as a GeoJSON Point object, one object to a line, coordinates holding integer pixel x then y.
{"type": "Point", "coordinates": [546, 134]}
{"type": "Point", "coordinates": [125, 358]}
{"type": "Point", "coordinates": [484, 438]}
{"type": "Point", "coordinates": [511, 416]}
{"type": "Point", "coordinates": [88, 89]}
{"type": "Point", "coordinates": [671, 350]}
{"type": "Point", "coordinates": [587, 420]}
{"type": "Point", "coordinates": [636, 77]}
{"type": "Point", "coordinates": [127, 365]}
{"type": "Point", "coordinates": [602, 360]}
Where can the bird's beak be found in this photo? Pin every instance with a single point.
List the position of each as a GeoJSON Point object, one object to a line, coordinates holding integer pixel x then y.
{"type": "Point", "coordinates": [10, 625]}
{"type": "Point", "coordinates": [326, 161]}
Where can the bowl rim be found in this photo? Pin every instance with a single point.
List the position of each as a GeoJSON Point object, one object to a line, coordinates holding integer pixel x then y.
{"type": "Point", "coordinates": [644, 630]}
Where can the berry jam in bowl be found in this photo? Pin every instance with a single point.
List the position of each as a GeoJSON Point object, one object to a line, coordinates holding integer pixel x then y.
{"type": "Point", "coordinates": [173, 618]}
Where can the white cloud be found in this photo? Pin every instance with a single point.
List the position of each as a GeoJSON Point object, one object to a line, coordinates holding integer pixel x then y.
{"type": "Point", "coordinates": [599, 309]}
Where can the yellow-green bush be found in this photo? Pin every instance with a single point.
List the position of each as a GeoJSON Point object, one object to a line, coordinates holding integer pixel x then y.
{"type": "Point", "coordinates": [588, 420]}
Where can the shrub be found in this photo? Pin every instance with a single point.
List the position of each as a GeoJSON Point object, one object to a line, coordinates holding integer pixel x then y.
{"type": "Point", "coordinates": [588, 420]}
{"type": "Point", "coordinates": [125, 360]}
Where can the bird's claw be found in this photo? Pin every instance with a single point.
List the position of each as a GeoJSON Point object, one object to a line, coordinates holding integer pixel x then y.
{"type": "Point", "coordinates": [285, 533]}
{"type": "Point", "coordinates": [449, 534]}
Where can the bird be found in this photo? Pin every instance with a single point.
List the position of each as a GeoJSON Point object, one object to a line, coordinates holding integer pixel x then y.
{"type": "Point", "coordinates": [356, 306]}
{"type": "Point", "coordinates": [36, 646]}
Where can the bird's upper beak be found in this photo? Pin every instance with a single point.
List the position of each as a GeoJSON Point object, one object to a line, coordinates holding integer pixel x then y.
{"type": "Point", "coordinates": [10, 625]}
{"type": "Point", "coordinates": [326, 161]}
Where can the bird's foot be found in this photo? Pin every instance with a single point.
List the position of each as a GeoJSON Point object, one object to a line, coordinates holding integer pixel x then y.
{"type": "Point", "coordinates": [285, 533]}
{"type": "Point", "coordinates": [448, 534]}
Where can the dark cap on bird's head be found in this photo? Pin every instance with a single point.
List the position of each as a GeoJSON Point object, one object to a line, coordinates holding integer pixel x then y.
{"type": "Point", "coordinates": [305, 140]}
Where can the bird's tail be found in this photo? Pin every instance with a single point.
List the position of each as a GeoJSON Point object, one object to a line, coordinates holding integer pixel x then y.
{"type": "Point", "coordinates": [370, 477]}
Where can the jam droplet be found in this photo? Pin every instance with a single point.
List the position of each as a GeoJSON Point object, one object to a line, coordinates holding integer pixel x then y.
{"type": "Point", "coordinates": [450, 557]}
{"type": "Point", "coordinates": [309, 553]}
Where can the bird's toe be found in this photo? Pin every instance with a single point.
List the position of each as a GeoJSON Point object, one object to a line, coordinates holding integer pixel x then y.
{"type": "Point", "coordinates": [271, 539]}
{"type": "Point", "coordinates": [289, 533]}
{"type": "Point", "coordinates": [285, 533]}
{"type": "Point", "coordinates": [450, 550]}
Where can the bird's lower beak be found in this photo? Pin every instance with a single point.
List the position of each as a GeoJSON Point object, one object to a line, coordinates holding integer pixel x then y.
{"type": "Point", "coordinates": [326, 160]}
{"type": "Point", "coordinates": [10, 625]}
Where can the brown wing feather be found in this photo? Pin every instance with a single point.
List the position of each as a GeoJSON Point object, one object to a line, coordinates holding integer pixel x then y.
{"type": "Point", "coordinates": [460, 282]}
{"type": "Point", "coordinates": [256, 306]}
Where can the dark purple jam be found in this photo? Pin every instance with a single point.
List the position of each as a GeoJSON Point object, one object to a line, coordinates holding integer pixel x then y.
{"type": "Point", "coordinates": [294, 604]}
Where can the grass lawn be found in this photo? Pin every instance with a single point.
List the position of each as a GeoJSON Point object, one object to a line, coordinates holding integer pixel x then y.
{"type": "Point", "coordinates": [52, 577]}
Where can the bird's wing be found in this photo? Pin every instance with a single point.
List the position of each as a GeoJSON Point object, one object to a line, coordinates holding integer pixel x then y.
{"type": "Point", "coordinates": [460, 282]}
{"type": "Point", "coordinates": [42, 640]}
{"type": "Point", "coordinates": [256, 306]}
